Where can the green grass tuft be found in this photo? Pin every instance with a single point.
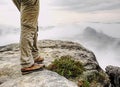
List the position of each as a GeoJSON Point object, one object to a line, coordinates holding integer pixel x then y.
{"type": "Point", "coordinates": [67, 67]}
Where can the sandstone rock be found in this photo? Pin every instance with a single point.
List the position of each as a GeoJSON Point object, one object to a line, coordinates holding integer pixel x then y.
{"type": "Point", "coordinates": [114, 75]}
{"type": "Point", "coordinates": [50, 50]}
{"type": "Point", "coordinates": [40, 79]}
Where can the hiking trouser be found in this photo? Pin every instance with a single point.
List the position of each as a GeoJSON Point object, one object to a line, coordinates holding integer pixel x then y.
{"type": "Point", "coordinates": [29, 11]}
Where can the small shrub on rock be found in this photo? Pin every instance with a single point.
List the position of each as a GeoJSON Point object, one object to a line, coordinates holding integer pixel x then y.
{"type": "Point", "coordinates": [83, 83]}
{"type": "Point", "coordinates": [67, 67]}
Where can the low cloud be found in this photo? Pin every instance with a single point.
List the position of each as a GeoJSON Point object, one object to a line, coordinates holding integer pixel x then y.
{"type": "Point", "coordinates": [87, 5]}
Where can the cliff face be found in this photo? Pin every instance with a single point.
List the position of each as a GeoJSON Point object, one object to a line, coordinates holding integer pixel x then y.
{"type": "Point", "coordinates": [114, 75]}
{"type": "Point", "coordinates": [10, 75]}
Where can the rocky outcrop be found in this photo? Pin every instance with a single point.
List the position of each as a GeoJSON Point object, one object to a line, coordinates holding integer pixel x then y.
{"type": "Point", "coordinates": [40, 79]}
{"type": "Point", "coordinates": [10, 74]}
{"type": "Point", "coordinates": [114, 75]}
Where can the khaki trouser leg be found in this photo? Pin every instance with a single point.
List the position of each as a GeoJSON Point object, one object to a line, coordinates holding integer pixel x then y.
{"type": "Point", "coordinates": [17, 3]}
{"type": "Point", "coordinates": [29, 21]}
{"type": "Point", "coordinates": [35, 50]}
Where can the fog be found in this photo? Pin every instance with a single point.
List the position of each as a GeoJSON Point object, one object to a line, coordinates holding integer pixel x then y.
{"type": "Point", "coordinates": [105, 47]}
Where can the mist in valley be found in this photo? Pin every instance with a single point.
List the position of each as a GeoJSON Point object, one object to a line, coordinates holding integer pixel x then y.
{"type": "Point", "coordinates": [105, 47]}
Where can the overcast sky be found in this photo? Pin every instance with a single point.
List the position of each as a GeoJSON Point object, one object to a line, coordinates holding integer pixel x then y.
{"type": "Point", "coordinates": [55, 12]}
{"type": "Point", "coordinates": [87, 5]}
{"type": "Point", "coordinates": [67, 10]}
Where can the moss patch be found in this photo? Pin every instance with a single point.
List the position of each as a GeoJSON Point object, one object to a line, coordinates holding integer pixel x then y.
{"type": "Point", "coordinates": [67, 67]}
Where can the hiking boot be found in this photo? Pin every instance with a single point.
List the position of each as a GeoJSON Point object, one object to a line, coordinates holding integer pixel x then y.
{"type": "Point", "coordinates": [39, 60]}
{"type": "Point", "coordinates": [33, 68]}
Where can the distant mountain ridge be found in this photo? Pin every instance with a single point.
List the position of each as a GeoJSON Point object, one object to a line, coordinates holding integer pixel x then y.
{"type": "Point", "coordinates": [100, 39]}
{"type": "Point", "coordinates": [92, 33]}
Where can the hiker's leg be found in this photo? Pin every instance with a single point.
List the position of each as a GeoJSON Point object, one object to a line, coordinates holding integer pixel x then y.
{"type": "Point", "coordinates": [35, 50]}
{"type": "Point", "coordinates": [29, 21]}
{"type": "Point", "coordinates": [17, 3]}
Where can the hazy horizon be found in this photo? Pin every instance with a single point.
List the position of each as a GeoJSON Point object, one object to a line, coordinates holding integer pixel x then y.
{"type": "Point", "coordinates": [103, 51]}
{"type": "Point", "coordinates": [60, 12]}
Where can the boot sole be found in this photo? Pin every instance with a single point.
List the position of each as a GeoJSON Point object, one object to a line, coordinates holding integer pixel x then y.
{"type": "Point", "coordinates": [31, 71]}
